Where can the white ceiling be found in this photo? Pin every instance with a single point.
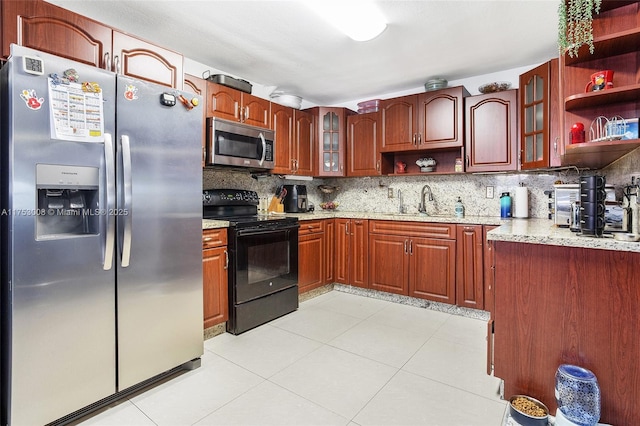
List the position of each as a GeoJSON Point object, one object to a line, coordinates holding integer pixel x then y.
{"type": "Point", "coordinates": [283, 45]}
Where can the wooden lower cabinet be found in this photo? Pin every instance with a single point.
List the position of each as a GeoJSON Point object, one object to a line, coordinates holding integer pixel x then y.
{"type": "Point", "coordinates": [469, 266]}
{"type": "Point", "coordinates": [405, 258]}
{"type": "Point", "coordinates": [568, 305]}
{"type": "Point", "coordinates": [352, 252]}
{"type": "Point", "coordinates": [432, 264]}
{"type": "Point", "coordinates": [329, 251]}
{"type": "Point", "coordinates": [311, 255]}
{"type": "Point", "coordinates": [215, 281]}
{"type": "Point", "coordinates": [389, 265]}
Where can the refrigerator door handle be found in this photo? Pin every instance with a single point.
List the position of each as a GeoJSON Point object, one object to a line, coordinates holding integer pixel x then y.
{"type": "Point", "coordinates": [110, 172]}
{"type": "Point", "coordinates": [127, 211]}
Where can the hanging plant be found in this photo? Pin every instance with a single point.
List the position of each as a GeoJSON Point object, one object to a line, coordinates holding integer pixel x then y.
{"type": "Point", "coordinates": [575, 18]}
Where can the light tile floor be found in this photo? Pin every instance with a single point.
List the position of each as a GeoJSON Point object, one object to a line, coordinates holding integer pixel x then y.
{"type": "Point", "coordinates": [340, 359]}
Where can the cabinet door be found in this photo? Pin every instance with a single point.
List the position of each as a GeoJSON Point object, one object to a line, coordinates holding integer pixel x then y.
{"type": "Point", "coordinates": [329, 250]}
{"type": "Point", "coordinates": [440, 118]}
{"type": "Point", "coordinates": [331, 140]}
{"type": "Point", "coordinates": [55, 30]}
{"type": "Point", "coordinates": [215, 289]}
{"type": "Point", "coordinates": [341, 239]}
{"type": "Point", "coordinates": [282, 125]}
{"type": "Point", "coordinates": [223, 102]}
{"type": "Point", "coordinates": [399, 124]}
{"type": "Point", "coordinates": [469, 266]}
{"type": "Point", "coordinates": [255, 110]}
{"type": "Point", "coordinates": [304, 143]}
{"type": "Point", "coordinates": [198, 86]}
{"type": "Point", "coordinates": [139, 59]}
{"type": "Point", "coordinates": [539, 138]}
{"type": "Point", "coordinates": [432, 269]}
{"type": "Point", "coordinates": [363, 145]}
{"type": "Point", "coordinates": [389, 266]}
{"type": "Point", "coordinates": [492, 132]}
{"type": "Point", "coordinates": [311, 268]}
{"type": "Point", "coordinates": [359, 253]}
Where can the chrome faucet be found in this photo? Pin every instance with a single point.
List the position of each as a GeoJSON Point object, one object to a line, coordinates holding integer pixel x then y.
{"type": "Point", "coordinates": [422, 208]}
{"type": "Point", "coordinates": [400, 206]}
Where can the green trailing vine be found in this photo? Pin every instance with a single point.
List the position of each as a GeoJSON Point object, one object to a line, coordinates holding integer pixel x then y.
{"type": "Point", "coordinates": [575, 18]}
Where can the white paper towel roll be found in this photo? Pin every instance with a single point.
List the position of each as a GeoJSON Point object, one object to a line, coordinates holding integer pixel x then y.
{"type": "Point", "coordinates": [521, 202]}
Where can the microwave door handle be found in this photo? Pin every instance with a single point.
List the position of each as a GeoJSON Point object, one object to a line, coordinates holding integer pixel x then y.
{"type": "Point", "coordinates": [127, 212]}
{"type": "Point", "coordinates": [110, 172]}
{"type": "Point", "coordinates": [264, 148]}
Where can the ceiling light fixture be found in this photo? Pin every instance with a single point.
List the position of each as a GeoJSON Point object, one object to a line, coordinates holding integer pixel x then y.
{"type": "Point", "coordinates": [359, 19]}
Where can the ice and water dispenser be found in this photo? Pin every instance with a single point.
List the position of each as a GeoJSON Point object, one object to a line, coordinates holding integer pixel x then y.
{"type": "Point", "coordinates": [68, 201]}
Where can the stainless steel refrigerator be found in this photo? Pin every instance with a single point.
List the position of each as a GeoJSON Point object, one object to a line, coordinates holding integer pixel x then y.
{"type": "Point", "coordinates": [101, 235]}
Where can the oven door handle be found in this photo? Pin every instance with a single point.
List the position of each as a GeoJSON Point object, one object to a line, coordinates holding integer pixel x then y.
{"type": "Point", "coordinates": [262, 231]}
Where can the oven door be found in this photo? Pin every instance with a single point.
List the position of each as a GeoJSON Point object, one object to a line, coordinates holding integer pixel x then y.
{"type": "Point", "coordinates": [264, 261]}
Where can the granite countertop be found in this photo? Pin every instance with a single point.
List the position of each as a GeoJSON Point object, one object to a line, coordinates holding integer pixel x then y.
{"type": "Point", "coordinates": [531, 231]}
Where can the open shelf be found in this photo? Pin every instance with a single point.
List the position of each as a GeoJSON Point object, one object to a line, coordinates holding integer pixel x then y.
{"type": "Point", "coordinates": [621, 42]}
{"type": "Point", "coordinates": [603, 97]}
{"type": "Point", "coordinates": [596, 155]}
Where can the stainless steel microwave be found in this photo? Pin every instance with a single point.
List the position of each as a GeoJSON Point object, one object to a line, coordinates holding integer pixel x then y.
{"type": "Point", "coordinates": [239, 145]}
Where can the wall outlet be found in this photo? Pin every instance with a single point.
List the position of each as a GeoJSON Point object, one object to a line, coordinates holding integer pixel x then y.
{"type": "Point", "coordinates": [489, 191]}
{"type": "Point", "coordinates": [390, 192]}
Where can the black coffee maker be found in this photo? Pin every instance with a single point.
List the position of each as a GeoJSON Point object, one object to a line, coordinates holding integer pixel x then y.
{"type": "Point", "coordinates": [296, 199]}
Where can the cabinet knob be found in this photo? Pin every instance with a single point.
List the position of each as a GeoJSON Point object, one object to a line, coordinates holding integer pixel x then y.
{"type": "Point", "coordinates": [226, 264]}
{"type": "Point", "coordinates": [107, 61]}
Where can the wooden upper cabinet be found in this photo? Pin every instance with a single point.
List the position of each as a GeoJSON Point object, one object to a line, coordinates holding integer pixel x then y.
{"type": "Point", "coordinates": [363, 144]}
{"type": "Point", "coordinates": [198, 86]}
{"type": "Point", "coordinates": [441, 118]}
{"type": "Point", "coordinates": [492, 132]}
{"type": "Point", "coordinates": [52, 29]}
{"type": "Point", "coordinates": [304, 143]}
{"type": "Point", "coordinates": [428, 120]}
{"type": "Point", "coordinates": [540, 142]}
{"type": "Point", "coordinates": [294, 140]}
{"type": "Point", "coordinates": [255, 110]}
{"type": "Point", "coordinates": [331, 139]}
{"type": "Point", "coordinates": [139, 59]}
{"type": "Point", "coordinates": [282, 125]}
{"type": "Point", "coordinates": [232, 104]}
{"type": "Point", "coordinates": [399, 123]}
{"type": "Point", "coordinates": [223, 102]}
{"type": "Point", "coordinates": [55, 30]}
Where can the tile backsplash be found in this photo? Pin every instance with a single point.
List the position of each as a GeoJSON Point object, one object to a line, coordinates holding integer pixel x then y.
{"type": "Point", "coordinates": [371, 193]}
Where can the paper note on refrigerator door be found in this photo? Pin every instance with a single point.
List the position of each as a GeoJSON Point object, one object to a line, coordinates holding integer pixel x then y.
{"type": "Point", "coordinates": [76, 114]}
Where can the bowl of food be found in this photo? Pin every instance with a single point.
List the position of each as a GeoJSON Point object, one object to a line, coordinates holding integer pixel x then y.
{"type": "Point", "coordinates": [327, 189]}
{"type": "Point", "coordinates": [329, 205]}
{"type": "Point", "coordinates": [496, 86]}
{"type": "Point", "coordinates": [528, 411]}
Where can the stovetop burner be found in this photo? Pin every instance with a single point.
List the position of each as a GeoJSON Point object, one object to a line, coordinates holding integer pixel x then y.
{"type": "Point", "coordinates": [238, 207]}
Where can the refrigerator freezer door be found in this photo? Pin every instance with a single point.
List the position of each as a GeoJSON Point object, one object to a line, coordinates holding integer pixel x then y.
{"type": "Point", "coordinates": [59, 354]}
{"type": "Point", "coordinates": [159, 256]}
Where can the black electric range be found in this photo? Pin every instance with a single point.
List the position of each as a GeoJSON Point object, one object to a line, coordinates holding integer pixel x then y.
{"type": "Point", "coordinates": [263, 258]}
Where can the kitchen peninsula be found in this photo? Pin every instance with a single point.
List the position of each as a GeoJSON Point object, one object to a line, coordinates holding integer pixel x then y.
{"type": "Point", "coordinates": [562, 298]}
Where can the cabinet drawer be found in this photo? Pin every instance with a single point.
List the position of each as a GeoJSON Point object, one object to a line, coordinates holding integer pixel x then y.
{"type": "Point", "coordinates": [418, 229]}
{"type": "Point", "coordinates": [214, 238]}
{"type": "Point", "coordinates": [310, 227]}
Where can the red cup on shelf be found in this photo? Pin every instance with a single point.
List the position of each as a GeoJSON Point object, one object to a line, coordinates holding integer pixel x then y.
{"type": "Point", "coordinates": [577, 133]}
{"type": "Point", "coordinates": [600, 80]}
